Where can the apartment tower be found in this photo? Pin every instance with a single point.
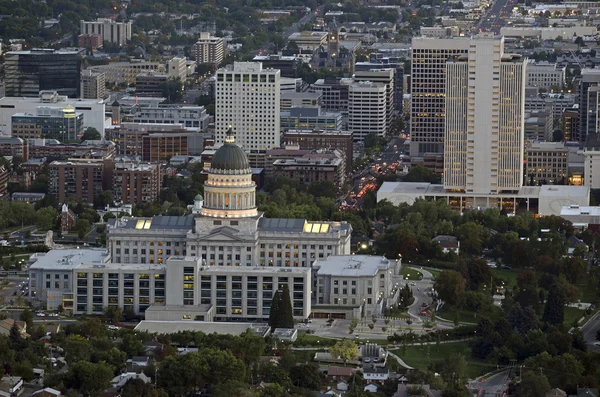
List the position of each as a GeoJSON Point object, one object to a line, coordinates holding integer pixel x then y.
{"type": "Point", "coordinates": [209, 49]}
{"type": "Point", "coordinates": [484, 127]}
{"type": "Point", "coordinates": [247, 100]}
{"type": "Point", "coordinates": [428, 80]}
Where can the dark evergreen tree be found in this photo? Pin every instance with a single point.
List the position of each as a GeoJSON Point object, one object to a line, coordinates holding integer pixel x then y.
{"type": "Point", "coordinates": [554, 311]}
{"type": "Point", "coordinates": [286, 320]}
{"type": "Point", "coordinates": [275, 313]}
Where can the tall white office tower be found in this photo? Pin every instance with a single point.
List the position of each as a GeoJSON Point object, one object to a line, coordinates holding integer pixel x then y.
{"type": "Point", "coordinates": [428, 90]}
{"type": "Point", "coordinates": [485, 106]}
{"type": "Point", "coordinates": [247, 100]}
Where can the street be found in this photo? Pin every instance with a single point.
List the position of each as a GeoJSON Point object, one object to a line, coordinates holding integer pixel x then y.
{"type": "Point", "coordinates": [494, 18]}
{"type": "Point", "coordinates": [590, 330]}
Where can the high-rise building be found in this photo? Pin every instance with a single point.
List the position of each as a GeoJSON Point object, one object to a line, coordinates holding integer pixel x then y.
{"type": "Point", "coordinates": [367, 109]}
{"type": "Point", "coordinates": [484, 123]}
{"type": "Point", "coordinates": [208, 49]}
{"type": "Point", "coordinates": [135, 182]}
{"type": "Point", "coordinates": [428, 91]}
{"type": "Point", "coordinates": [92, 84]}
{"type": "Point", "coordinates": [384, 76]}
{"type": "Point", "coordinates": [247, 100]}
{"type": "Point", "coordinates": [29, 72]}
{"type": "Point", "coordinates": [588, 103]}
{"type": "Point", "coordinates": [112, 31]}
{"type": "Point", "coordinates": [82, 180]}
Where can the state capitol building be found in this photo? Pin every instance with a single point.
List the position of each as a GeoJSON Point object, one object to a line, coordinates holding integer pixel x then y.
{"type": "Point", "coordinates": [225, 228]}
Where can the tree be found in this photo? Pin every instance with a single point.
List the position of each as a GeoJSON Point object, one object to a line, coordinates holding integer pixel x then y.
{"type": "Point", "coordinates": [450, 285]}
{"type": "Point", "coordinates": [112, 314]}
{"type": "Point", "coordinates": [286, 319]}
{"type": "Point", "coordinates": [89, 378]}
{"type": "Point", "coordinates": [523, 319]}
{"type": "Point", "coordinates": [533, 384]}
{"type": "Point", "coordinates": [103, 199]}
{"type": "Point", "coordinates": [138, 388]}
{"type": "Point", "coordinates": [345, 349]}
{"type": "Point", "coordinates": [233, 388]}
{"type": "Point", "coordinates": [307, 376]}
{"type": "Point", "coordinates": [131, 345]}
{"type": "Point", "coordinates": [91, 134]}
{"type": "Point", "coordinates": [275, 312]}
{"type": "Point", "coordinates": [27, 317]}
{"type": "Point", "coordinates": [45, 218]}
{"type": "Point", "coordinates": [554, 311]}
{"type": "Point", "coordinates": [83, 226]}
{"type": "Point", "coordinates": [475, 302]}
{"type": "Point", "coordinates": [182, 375]}
{"type": "Point", "coordinates": [421, 174]}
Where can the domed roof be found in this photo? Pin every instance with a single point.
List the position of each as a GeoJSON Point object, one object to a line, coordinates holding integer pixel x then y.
{"type": "Point", "coordinates": [198, 198]}
{"type": "Point", "coordinates": [230, 158]}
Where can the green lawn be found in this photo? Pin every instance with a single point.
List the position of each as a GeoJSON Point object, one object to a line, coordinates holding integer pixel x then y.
{"type": "Point", "coordinates": [434, 273]}
{"type": "Point", "coordinates": [465, 316]}
{"type": "Point", "coordinates": [411, 274]}
{"type": "Point", "coordinates": [420, 357]}
{"type": "Point", "coordinates": [572, 314]}
{"type": "Point", "coordinates": [508, 276]}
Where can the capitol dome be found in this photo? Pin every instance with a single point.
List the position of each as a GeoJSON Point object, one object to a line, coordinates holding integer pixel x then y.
{"type": "Point", "coordinates": [229, 191]}
{"type": "Point", "coordinates": [230, 158]}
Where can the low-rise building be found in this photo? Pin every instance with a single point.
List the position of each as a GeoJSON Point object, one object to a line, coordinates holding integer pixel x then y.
{"type": "Point", "coordinates": [310, 118]}
{"type": "Point", "coordinates": [308, 40]}
{"type": "Point", "coordinates": [4, 177]}
{"type": "Point", "coordinates": [90, 40]}
{"type": "Point", "coordinates": [545, 75]}
{"type": "Point", "coordinates": [53, 150]}
{"type": "Point", "coordinates": [189, 116]}
{"type": "Point", "coordinates": [12, 146]}
{"type": "Point", "coordinates": [289, 99]}
{"type": "Point", "coordinates": [170, 290]}
{"type": "Point", "coordinates": [320, 139]}
{"type": "Point", "coordinates": [539, 125]}
{"type": "Point", "coordinates": [92, 109]}
{"type": "Point", "coordinates": [287, 64]}
{"type": "Point", "coordinates": [355, 281]}
{"type": "Point", "coordinates": [322, 165]}
{"type": "Point", "coordinates": [64, 124]}
{"type": "Point", "coordinates": [151, 84]}
{"type": "Point", "coordinates": [51, 275]}
{"type": "Point", "coordinates": [546, 163]}
{"type": "Point", "coordinates": [27, 197]}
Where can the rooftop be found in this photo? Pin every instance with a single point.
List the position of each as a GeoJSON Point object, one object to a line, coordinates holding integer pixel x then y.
{"type": "Point", "coordinates": [576, 210]}
{"type": "Point", "coordinates": [68, 259]}
{"type": "Point", "coordinates": [157, 222]}
{"type": "Point", "coordinates": [592, 141]}
{"type": "Point", "coordinates": [172, 327]}
{"type": "Point", "coordinates": [351, 265]}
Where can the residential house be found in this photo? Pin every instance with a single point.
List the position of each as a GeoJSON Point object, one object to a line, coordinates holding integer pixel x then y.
{"type": "Point", "coordinates": [335, 373]}
{"type": "Point", "coordinates": [371, 388]}
{"type": "Point", "coordinates": [405, 390]}
{"type": "Point", "coordinates": [556, 393]}
{"type": "Point", "coordinates": [376, 374]}
{"type": "Point", "coordinates": [47, 392]}
{"type": "Point", "coordinates": [120, 380]}
{"type": "Point", "coordinates": [448, 243]}
{"type": "Point", "coordinates": [11, 386]}
{"type": "Point", "coordinates": [7, 324]}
